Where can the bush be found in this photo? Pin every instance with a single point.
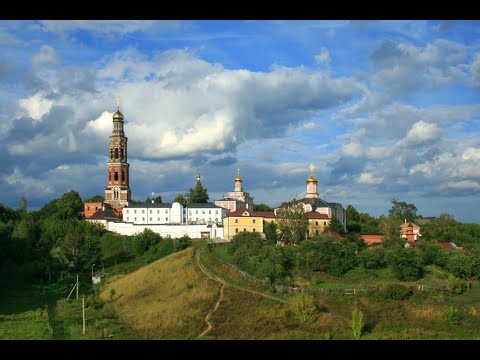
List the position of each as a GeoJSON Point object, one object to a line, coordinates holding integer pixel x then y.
{"type": "Point", "coordinates": [372, 258]}
{"type": "Point", "coordinates": [453, 316]}
{"type": "Point", "coordinates": [455, 285]}
{"type": "Point", "coordinates": [303, 308]}
{"type": "Point", "coordinates": [358, 323]}
{"type": "Point", "coordinates": [397, 292]}
{"type": "Point", "coordinates": [405, 264]}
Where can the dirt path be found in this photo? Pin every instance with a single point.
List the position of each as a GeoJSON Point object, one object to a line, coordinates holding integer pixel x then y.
{"type": "Point", "coordinates": [207, 318]}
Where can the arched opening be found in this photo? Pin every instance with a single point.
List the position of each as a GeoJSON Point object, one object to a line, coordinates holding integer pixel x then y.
{"type": "Point", "coordinates": [116, 176]}
{"type": "Point", "coordinates": [121, 153]}
{"type": "Point", "coordinates": [116, 153]}
{"type": "Point", "coordinates": [109, 176]}
{"type": "Point", "coordinates": [123, 175]}
{"type": "Point", "coordinates": [111, 153]}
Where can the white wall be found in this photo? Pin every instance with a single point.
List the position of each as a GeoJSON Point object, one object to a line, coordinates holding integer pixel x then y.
{"type": "Point", "coordinates": [206, 214]}
{"type": "Point", "coordinates": [175, 231]}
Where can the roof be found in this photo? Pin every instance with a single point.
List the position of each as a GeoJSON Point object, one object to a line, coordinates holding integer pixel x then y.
{"type": "Point", "coordinates": [241, 211]}
{"type": "Point", "coordinates": [449, 245]}
{"type": "Point", "coordinates": [318, 203]}
{"type": "Point", "coordinates": [106, 214]}
{"type": "Point", "coordinates": [198, 205]}
{"type": "Point", "coordinates": [408, 224]}
{"type": "Point", "coordinates": [333, 234]}
{"type": "Point", "coordinates": [366, 233]}
{"type": "Point", "coordinates": [317, 215]}
{"type": "Point", "coordinates": [149, 205]}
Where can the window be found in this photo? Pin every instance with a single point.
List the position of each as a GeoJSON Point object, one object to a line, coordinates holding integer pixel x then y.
{"type": "Point", "coordinates": [116, 176]}
{"type": "Point", "coordinates": [236, 221]}
{"type": "Point", "coordinates": [236, 230]}
{"type": "Point", "coordinates": [196, 211]}
{"type": "Point", "coordinates": [316, 222]}
{"type": "Point", "coordinates": [123, 175]}
{"type": "Point", "coordinates": [150, 211]}
{"type": "Point", "coordinates": [135, 219]}
{"type": "Point", "coordinates": [150, 219]}
{"type": "Point", "coordinates": [143, 211]}
{"type": "Point", "coordinates": [216, 219]}
{"type": "Point", "coordinates": [126, 211]}
{"type": "Point", "coordinates": [316, 232]}
{"type": "Point", "coordinates": [109, 176]}
{"type": "Point", "coordinates": [324, 223]}
{"type": "Point", "coordinates": [158, 219]}
{"type": "Point", "coordinates": [166, 211]}
{"type": "Point", "coordinates": [244, 229]}
{"type": "Point", "coordinates": [209, 219]}
{"type": "Point", "coordinates": [189, 212]}
{"type": "Point", "coordinates": [143, 219]}
{"type": "Point", "coordinates": [158, 211]}
{"type": "Point", "coordinates": [127, 218]}
{"type": "Point", "coordinates": [216, 211]}
{"type": "Point", "coordinates": [203, 211]}
{"type": "Point", "coordinates": [135, 211]}
{"type": "Point", "coordinates": [166, 219]}
{"type": "Point", "coordinates": [116, 153]}
{"type": "Point", "coordinates": [121, 153]}
{"type": "Point", "coordinates": [253, 229]}
{"type": "Point", "coordinates": [253, 221]}
{"type": "Point", "coordinates": [209, 211]}
{"type": "Point", "coordinates": [196, 219]}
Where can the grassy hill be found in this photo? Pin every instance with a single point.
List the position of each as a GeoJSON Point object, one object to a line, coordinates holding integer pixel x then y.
{"type": "Point", "coordinates": [167, 299]}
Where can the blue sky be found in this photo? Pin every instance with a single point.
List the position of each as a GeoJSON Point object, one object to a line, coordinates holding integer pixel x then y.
{"type": "Point", "coordinates": [384, 109]}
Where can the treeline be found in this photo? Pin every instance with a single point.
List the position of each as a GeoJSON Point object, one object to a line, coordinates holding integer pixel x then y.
{"type": "Point", "coordinates": [265, 259]}
{"type": "Point", "coordinates": [51, 245]}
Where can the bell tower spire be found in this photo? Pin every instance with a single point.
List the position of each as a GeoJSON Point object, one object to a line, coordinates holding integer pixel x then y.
{"type": "Point", "coordinates": [312, 184]}
{"type": "Point", "coordinates": [118, 191]}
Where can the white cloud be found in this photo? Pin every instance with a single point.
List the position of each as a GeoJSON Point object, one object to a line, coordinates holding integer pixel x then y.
{"type": "Point", "coordinates": [323, 58]}
{"type": "Point", "coordinates": [370, 179]}
{"type": "Point", "coordinates": [31, 187]}
{"type": "Point", "coordinates": [119, 27]}
{"type": "Point", "coordinates": [352, 150]}
{"type": "Point", "coordinates": [464, 185]}
{"type": "Point", "coordinates": [46, 56]}
{"type": "Point", "coordinates": [475, 70]}
{"type": "Point", "coordinates": [420, 133]}
{"type": "Point", "coordinates": [35, 106]}
{"type": "Point", "coordinates": [291, 168]}
{"type": "Point", "coordinates": [471, 154]}
{"type": "Point", "coordinates": [309, 125]}
{"type": "Point", "coordinates": [7, 38]}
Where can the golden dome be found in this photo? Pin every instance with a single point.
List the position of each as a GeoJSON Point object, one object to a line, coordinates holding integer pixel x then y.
{"type": "Point", "coordinates": [118, 116]}
{"type": "Point", "coordinates": [312, 179]}
{"type": "Point", "coordinates": [238, 178]}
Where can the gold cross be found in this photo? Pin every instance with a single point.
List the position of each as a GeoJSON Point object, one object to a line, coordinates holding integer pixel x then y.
{"type": "Point", "coordinates": [238, 171]}
{"type": "Point", "coordinates": [311, 167]}
{"type": "Point", "coordinates": [118, 103]}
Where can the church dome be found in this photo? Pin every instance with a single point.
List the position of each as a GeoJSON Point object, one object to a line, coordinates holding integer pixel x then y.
{"type": "Point", "coordinates": [312, 179]}
{"type": "Point", "coordinates": [118, 116]}
{"type": "Point", "coordinates": [238, 178]}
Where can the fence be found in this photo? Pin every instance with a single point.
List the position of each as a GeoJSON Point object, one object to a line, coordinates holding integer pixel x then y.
{"type": "Point", "coordinates": [306, 290]}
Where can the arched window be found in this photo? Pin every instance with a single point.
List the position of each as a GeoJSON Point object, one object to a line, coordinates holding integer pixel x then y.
{"type": "Point", "coordinates": [123, 175]}
{"type": "Point", "coordinates": [116, 176]}
{"type": "Point", "coordinates": [111, 153]}
{"type": "Point", "coordinates": [116, 153]}
{"type": "Point", "coordinates": [109, 176]}
{"type": "Point", "coordinates": [121, 153]}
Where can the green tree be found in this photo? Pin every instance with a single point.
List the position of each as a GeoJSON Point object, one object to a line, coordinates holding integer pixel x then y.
{"type": "Point", "coordinates": [22, 205]}
{"type": "Point", "coordinates": [403, 210]}
{"type": "Point", "coordinates": [444, 228]}
{"type": "Point", "coordinates": [145, 241]}
{"type": "Point", "coordinates": [95, 198]}
{"type": "Point", "coordinates": [198, 195]}
{"type": "Point", "coordinates": [293, 222]}
{"type": "Point", "coordinates": [270, 230]}
{"type": "Point", "coordinates": [405, 264]}
{"type": "Point", "coordinates": [180, 198]}
{"type": "Point", "coordinates": [262, 207]}
{"type": "Point", "coordinates": [148, 200]}
{"type": "Point", "coordinates": [335, 225]}
{"type": "Point", "coordinates": [158, 199]}
{"type": "Point", "coordinates": [358, 323]}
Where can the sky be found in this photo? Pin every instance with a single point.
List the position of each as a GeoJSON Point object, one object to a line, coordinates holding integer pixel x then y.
{"type": "Point", "coordinates": [383, 109]}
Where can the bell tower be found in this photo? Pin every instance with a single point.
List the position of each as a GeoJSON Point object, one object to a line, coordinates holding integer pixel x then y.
{"type": "Point", "coordinates": [312, 185]}
{"type": "Point", "coordinates": [118, 191]}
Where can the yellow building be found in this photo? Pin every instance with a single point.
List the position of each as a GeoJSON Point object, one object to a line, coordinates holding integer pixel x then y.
{"type": "Point", "coordinates": [245, 220]}
{"type": "Point", "coordinates": [317, 223]}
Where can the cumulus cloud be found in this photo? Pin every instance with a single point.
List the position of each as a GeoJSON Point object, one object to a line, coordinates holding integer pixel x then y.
{"type": "Point", "coordinates": [370, 179]}
{"type": "Point", "coordinates": [323, 58]}
{"type": "Point", "coordinates": [36, 106]}
{"type": "Point", "coordinates": [31, 187]}
{"type": "Point", "coordinates": [46, 56]}
{"type": "Point", "coordinates": [420, 133]}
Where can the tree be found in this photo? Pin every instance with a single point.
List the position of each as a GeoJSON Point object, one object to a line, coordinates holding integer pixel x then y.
{"type": "Point", "coordinates": [158, 199]}
{"type": "Point", "coordinates": [262, 207]}
{"type": "Point", "coordinates": [405, 264]}
{"type": "Point", "coordinates": [293, 222]}
{"type": "Point", "coordinates": [270, 230]}
{"type": "Point", "coordinates": [198, 195]}
{"type": "Point", "coordinates": [148, 200]}
{"type": "Point", "coordinates": [23, 203]}
{"type": "Point", "coordinates": [180, 198]}
{"type": "Point", "coordinates": [444, 228]}
{"type": "Point", "coordinates": [335, 225]}
{"type": "Point", "coordinates": [95, 198]}
{"type": "Point", "coordinates": [353, 219]}
{"type": "Point", "coordinates": [403, 210]}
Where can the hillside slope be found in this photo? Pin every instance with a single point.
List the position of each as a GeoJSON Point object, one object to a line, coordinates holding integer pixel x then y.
{"type": "Point", "coordinates": [167, 299]}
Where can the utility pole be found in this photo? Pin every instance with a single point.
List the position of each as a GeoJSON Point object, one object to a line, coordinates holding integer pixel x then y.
{"type": "Point", "coordinates": [83, 313]}
{"type": "Point", "coordinates": [77, 286]}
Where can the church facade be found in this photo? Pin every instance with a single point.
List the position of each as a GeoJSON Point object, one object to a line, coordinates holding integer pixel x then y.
{"type": "Point", "coordinates": [236, 199]}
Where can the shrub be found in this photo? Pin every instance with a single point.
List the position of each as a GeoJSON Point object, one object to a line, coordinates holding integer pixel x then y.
{"type": "Point", "coordinates": [405, 264]}
{"type": "Point", "coordinates": [358, 323]}
{"type": "Point", "coordinates": [397, 292]}
{"type": "Point", "coordinates": [112, 294]}
{"type": "Point", "coordinates": [455, 285]}
{"type": "Point", "coordinates": [303, 308]}
{"type": "Point", "coordinates": [372, 258]}
{"type": "Point", "coordinates": [453, 316]}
